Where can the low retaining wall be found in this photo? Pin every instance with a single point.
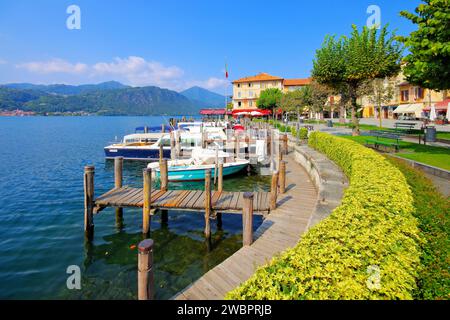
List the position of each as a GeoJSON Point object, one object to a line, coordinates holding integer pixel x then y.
{"type": "Point", "coordinates": [438, 172]}
{"type": "Point", "coordinates": [328, 178]}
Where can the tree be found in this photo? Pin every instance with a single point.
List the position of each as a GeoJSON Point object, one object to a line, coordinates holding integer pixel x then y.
{"type": "Point", "coordinates": [316, 96]}
{"type": "Point", "coordinates": [427, 65]}
{"type": "Point", "coordinates": [269, 99]}
{"type": "Point", "coordinates": [381, 91]}
{"type": "Point", "coordinates": [348, 62]}
{"type": "Point", "coordinates": [292, 101]}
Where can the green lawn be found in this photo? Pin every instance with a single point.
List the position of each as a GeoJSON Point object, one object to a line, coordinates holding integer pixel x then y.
{"type": "Point", "coordinates": [433, 156]}
{"type": "Point", "coordinates": [443, 135]}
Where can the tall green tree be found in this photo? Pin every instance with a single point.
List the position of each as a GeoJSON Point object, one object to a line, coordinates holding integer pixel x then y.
{"type": "Point", "coordinates": [381, 92]}
{"type": "Point", "coordinates": [315, 96]}
{"type": "Point", "coordinates": [348, 62]}
{"type": "Point", "coordinates": [269, 99]}
{"type": "Point", "coordinates": [292, 101]}
{"type": "Point", "coordinates": [428, 63]}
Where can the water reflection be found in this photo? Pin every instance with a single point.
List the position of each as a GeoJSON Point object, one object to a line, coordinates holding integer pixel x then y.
{"type": "Point", "coordinates": [181, 255]}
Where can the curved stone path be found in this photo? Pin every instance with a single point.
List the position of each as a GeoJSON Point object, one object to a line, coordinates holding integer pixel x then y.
{"type": "Point", "coordinates": [281, 230]}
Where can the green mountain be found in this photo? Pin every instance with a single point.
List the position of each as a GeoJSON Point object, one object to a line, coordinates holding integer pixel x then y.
{"type": "Point", "coordinates": [12, 99]}
{"type": "Point", "coordinates": [63, 89]}
{"type": "Point", "coordinates": [204, 98]}
{"type": "Point", "coordinates": [126, 101]}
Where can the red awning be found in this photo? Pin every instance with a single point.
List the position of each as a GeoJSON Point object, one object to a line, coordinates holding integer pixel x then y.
{"type": "Point", "coordinates": [257, 112]}
{"type": "Point", "coordinates": [440, 106]}
{"type": "Point", "coordinates": [214, 112]}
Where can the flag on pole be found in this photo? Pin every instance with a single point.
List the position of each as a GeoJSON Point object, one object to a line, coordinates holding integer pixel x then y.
{"type": "Point", "coordinates": [226, 70]}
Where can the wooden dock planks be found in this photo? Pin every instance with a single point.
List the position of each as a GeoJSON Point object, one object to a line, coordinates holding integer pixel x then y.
{"type": "Point", "coordinates": [181, 199]}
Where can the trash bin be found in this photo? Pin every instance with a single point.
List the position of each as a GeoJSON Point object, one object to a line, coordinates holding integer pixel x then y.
{"type": "Point", "coordinates": [329, 123]}
{"type": "Point", "coordinates": [430, 134]}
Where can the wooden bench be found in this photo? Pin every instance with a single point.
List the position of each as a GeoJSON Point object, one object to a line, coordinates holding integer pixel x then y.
{"type": "Point", "coordinates": [404, 125]}
{"type": "Point", "coordinates": [376, 142]}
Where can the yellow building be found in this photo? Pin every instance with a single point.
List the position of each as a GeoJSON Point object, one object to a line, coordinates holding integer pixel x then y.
{"type": "Point", "coordinates": [246, 91]}
{"type": "Point", "coordinates": [408, 100]}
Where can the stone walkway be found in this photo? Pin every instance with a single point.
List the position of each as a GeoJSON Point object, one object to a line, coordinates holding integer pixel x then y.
{"type": "Point", "coordinates": [282, 229]}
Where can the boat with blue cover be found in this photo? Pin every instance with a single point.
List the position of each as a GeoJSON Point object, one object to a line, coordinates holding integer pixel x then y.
{"type": "Point", "coordinates": [194, 168]}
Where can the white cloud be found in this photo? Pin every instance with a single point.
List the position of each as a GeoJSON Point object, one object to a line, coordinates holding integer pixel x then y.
{"type": "Point", "coordinates": [54, 66]}
{"type": "Point", "coordinates": [132, 70]}
{"type": "Point", "coordinates": [140, 72]}
{"type": "Point", "coordinates": [3, 61]}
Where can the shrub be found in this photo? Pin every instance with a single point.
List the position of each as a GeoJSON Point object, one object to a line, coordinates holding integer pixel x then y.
{"type": "Point", "coordinates": [373, 229]}
{"type": "Point", "coordinates": [303, 133]}
{"type": "Point", "coordinates": [432, 211]}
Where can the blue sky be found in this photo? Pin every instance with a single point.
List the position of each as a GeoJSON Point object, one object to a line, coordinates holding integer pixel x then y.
{"type": "Point", "coordinates": [174, 44]}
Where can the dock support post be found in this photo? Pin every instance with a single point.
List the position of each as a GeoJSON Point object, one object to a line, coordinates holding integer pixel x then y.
{"type": "Point", "coordinates": [285, 144]}
{"type": "Point", "coordinates": [172, 146]}
{"type": "Point", "coordinates": [177, 144]}
{"type": "Point", "coordinates": [146, 289]}
{"type": "Point", "coordinates": [164, 218]}
{"type": "Point", "coordinates": [89, 201]}
{"type": "Point", "coordinates": [247, 219]}
{"type": "Point", "coordinates": [147, 193]}
{"type": "Point", "coordinates": [283, 176]}
{"type": "Point", "coordinates": [220, 178]}
{"type": "Point", "coordinates": [118, 178]}
{"type": "Point", "coordinates": [274, 191]}
{"type": "Point", "coordinates": [280, 152]}
{"type": "Point", "coordinates": [236, 146]}
{"type": "Point", "coordinates": [118, 172]}
{"type": "Point", "coordinates": [161, 152]}
{"type": "Point", "coordinates": [207, 202]}
{"type": "Point", "coordinates": [164, 175]}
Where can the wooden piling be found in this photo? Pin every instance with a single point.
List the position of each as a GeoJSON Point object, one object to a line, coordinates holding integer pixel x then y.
{"type": "Point", "coordinates": [118, 172]}
{"type": "Point", "coordinates": [282, 176]}
{"type": "Point", "coordinates": [236, 146]}
{"type": "Point", "coordinates": [274, 191]}
{"type": "Point", "coordinates": [285, 144]}
{"type": "Point", "coordinates": [207, 202]}
{"type": "Point", "coordinates": [172, 146]}
{"type": "Point", "coordinates": [161, 152]}
{"type": "Point", "coordinates": [178, 144]}
{"type": "Point", "coordinates": [247, 219]}
{"type": "Point", "coordinates": [147, 193]}
{"type": "Point", "coordinates": [118, 180]}
{"type": "Point", "coordinates": [164, 175]}
{"type": "Point", "coordinates": [89, 201]}
{"type": "Point", "coordinates": [220, 178]}
{"type": "Point", "coordinates": [164, 217]}
{"type": "Point", "coordinates": [146, 285]}
{"type": "Point", "coordinates": [280, 152]}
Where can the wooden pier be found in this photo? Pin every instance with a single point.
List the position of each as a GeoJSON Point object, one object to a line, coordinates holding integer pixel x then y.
{"type": "Point", "coordinates": [213, 202]}
{"type": "Point", "coordinates": [181, 199]}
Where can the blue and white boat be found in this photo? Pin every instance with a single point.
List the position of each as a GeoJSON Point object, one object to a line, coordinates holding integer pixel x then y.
{"type": "Point", "coordinates": [138, 146]}
{"type": "Point", "coordinates": [145, 146]}
{"type": "Point", "coordinates": [194, 168]}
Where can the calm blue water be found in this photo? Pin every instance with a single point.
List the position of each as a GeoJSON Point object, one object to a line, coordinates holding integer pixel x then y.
{"type": "Point", "coordinates": [41, 215]}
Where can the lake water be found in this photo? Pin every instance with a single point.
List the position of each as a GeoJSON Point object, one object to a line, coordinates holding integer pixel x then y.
{"type": "Point", "coordinates": [41, 215]}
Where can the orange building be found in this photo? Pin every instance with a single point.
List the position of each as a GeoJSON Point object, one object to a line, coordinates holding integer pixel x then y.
{"type": "Point", "coordinates": [246, 91]}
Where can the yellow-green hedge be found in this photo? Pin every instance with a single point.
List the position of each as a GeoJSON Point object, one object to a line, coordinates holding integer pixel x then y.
{"type": "Point", "coordinates": [373, 229]}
